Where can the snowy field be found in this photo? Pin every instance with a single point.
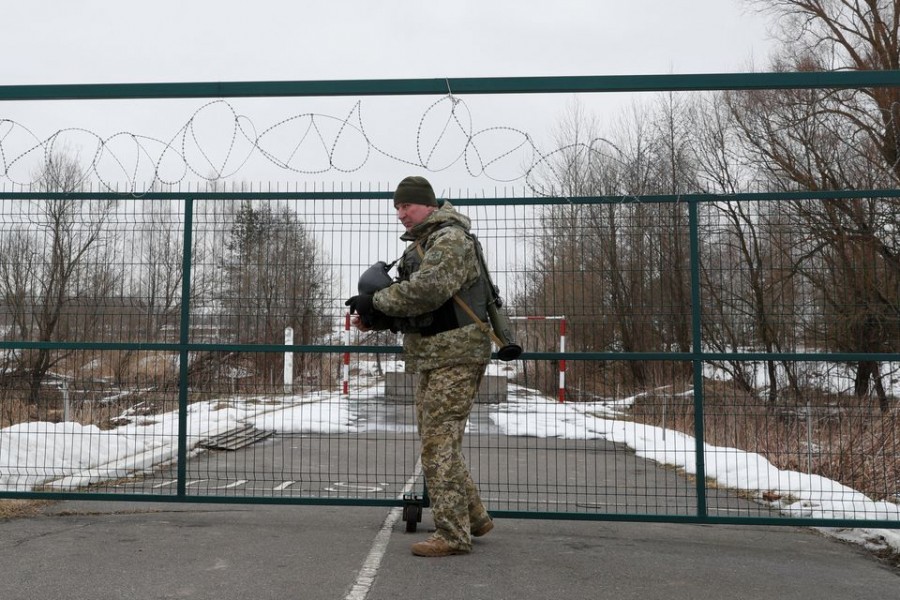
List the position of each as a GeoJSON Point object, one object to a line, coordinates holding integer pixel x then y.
{"type": "Point", "coordinates": [68, 455]}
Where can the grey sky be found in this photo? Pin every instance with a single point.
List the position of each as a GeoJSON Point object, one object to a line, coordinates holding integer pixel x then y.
{"type": "Point", "coordinates": [94, 41]}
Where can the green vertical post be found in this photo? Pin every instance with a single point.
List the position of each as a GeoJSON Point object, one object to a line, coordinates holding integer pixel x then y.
{"type": "Point", "coordinates": [183, 340]}
{"type": "Point", "coordinates": [696, 351]}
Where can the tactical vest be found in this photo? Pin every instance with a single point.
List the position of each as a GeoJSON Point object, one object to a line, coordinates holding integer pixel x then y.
{"type": "Point", "coordinates": [449, 315]}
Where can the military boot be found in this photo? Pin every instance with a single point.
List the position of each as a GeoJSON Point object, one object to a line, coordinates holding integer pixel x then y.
{"type": "Point", "coordinates": [482, 527]}
{"type": "Point", "coordinates": [435, 546]}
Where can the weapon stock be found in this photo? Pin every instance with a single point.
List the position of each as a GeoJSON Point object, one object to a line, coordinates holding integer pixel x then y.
{"type": "Point", "coordinates": [509, 350]}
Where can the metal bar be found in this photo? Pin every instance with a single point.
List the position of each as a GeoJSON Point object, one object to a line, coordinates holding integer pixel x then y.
{"type": "Point", "coordinates": [194, 347]}
{"type": "Point", "coordinates": [184, 337]}
{"type": "Point", "coordinates": [200, 499]}
{"type": "Point", "coordinates": [320, 349]}
{"type": "Point", "coordinates": [500, 514]}
{"type": "Point", "coordinates": [466, 85]}
{"type": "Point", "coordinates": [709, 520]}
{"type": "Point", "coordinates": [696, 347]}
{"type": "Point", "coordinates": [197, 196]}
{"type": "Point", "coordinates": [498, 201]}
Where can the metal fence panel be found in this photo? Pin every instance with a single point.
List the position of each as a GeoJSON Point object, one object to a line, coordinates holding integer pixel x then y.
{"type": "Point", "coordinates": [148, 396]}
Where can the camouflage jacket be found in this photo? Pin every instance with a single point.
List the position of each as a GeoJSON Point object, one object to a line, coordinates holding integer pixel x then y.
{"type": "Point", "coordinates": [449, 265]}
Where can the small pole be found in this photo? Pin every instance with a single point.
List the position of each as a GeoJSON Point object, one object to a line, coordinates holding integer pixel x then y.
{"type": "Point", "coordinates": [808, 437]}
{"type": "Point", "coordinates": [65, 394]}
{"type": "Point", "coordinates": [288, 361]}
{"type": "Point", "coordinates": [665, 407]}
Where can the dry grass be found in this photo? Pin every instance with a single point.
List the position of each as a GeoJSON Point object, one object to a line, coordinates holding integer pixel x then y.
{"type": "Point", "coordinates": [102, 385]}
{"type": "Point", "coordinates": [846, 439]}
{"type": "Point", "coordinates": [16, 509]}
{"type": "Point", "coordinates": [12, 410]}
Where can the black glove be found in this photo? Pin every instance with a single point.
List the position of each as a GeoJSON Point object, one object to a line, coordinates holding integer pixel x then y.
{"type": "Point", "coordinates": [361, 305]}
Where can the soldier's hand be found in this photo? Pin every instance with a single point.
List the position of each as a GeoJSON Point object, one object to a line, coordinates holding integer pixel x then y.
{"type": "Point", "coordinates": [362, 305]}
{"type": "Point", "coordinates": [357, 322]}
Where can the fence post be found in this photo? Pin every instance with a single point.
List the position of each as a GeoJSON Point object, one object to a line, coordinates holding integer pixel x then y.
{"type": "Point", "coordinates": [697, 362]}
{"type": "Point", "coordinates": [184, 338]}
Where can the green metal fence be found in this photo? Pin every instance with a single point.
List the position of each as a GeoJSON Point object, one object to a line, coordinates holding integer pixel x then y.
{"type": "Point", "coordinates": [144, 343]}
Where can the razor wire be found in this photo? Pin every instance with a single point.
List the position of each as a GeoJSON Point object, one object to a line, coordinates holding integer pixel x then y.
{"type": "Point", "coordinates": [172, 160]}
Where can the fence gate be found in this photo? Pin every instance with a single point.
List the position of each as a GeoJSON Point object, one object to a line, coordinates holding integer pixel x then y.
{"type": "Point", "coordinates": [145, 353]}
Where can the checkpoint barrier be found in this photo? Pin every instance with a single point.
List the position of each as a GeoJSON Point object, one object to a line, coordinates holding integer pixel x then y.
{"type": "Point", "coordinates": [561, 319]}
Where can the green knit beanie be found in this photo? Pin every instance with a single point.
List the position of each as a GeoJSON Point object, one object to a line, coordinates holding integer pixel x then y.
{"type": "Point", "coordinates": [415, 190]}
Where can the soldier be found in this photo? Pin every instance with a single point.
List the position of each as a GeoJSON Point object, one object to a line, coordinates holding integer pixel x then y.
{"type": "Point", "coordinates": [445, 346]}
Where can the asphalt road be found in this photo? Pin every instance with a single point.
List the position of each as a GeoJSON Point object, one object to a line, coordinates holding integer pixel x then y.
{"type": "Point", "coordinates": [515, 474]}
{"type": "Point", "coordinates": [116, 551]}
{"type": "Point", "coordinates": [85, 549]}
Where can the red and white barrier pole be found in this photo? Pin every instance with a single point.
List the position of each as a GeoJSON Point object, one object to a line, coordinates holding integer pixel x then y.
{"type": "Point", "coordinates": [562, 361]}
{"type": "Point", "coordinates": [562, 348]}
{"type": "Point", "coordinates": [345, 388]}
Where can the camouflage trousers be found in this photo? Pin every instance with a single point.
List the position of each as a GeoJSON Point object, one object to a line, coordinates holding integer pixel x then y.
{"type": "Point", "coordinates": [444, 398]}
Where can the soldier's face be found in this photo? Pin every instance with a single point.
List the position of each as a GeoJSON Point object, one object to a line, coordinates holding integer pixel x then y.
{"type": "Point", "coordinates": [413, 214]}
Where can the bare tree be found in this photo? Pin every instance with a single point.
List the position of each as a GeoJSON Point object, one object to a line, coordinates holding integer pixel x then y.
{"type": "Point", "coordinates": [619, 271]}
{"type": "Point", "coordinates": [747, 280]}
{"type": "Point", "coordinates": [838, 139]}
{"type": "Point", "coordinates": [848, 34]}
{"type": "Point", "coordinates": [160, 280]}
{"type": "Point", "coordinates": [275, 277]}
{"type": "Point", "coordinates": [677, 174]}
{"type": "Point", "coordinates": [58, 272]}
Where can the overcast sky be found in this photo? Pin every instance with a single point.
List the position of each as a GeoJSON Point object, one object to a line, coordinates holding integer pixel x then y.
{"type": "Point", "coordinates": [94, 41]}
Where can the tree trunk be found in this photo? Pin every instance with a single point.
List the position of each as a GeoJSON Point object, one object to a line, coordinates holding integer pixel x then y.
{"type": "Point", "coordinates": [863, 373]}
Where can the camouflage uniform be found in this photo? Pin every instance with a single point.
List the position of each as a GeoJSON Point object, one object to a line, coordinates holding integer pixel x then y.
{"type": "Point", "coordinates": [450, 364]}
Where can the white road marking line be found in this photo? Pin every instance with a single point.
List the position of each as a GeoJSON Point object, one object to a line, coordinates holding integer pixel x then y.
{"type": "Point", "coordinates": [284, 486]}
{"type": "Point", "coordinates": [369, 570]}
{"type": "Point", "coordinates": [174, 481]}
{"type": "Point", "coordinates": [231, 485]}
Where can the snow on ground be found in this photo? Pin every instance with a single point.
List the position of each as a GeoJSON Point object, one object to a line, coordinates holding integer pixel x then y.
{"type": "Point", "coordinates": [68, 455]}
{"type": "Point", "coordinates": [800, 494]}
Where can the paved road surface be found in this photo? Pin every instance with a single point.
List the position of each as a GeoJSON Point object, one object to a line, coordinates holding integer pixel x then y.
{"type": "Point", "coordinates": [106, 551]}
{"type": "Point", "coordinates": [146, 551]}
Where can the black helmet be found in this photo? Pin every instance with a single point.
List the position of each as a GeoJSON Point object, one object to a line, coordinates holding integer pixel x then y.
{"type": "Point", "coordinates": [375, 278]}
